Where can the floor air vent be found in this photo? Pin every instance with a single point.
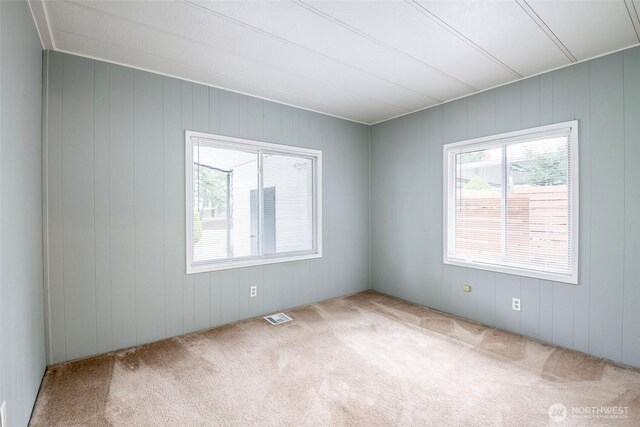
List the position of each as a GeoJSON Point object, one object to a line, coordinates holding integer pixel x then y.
{"type": "Point", "coordinates": [276, 319]}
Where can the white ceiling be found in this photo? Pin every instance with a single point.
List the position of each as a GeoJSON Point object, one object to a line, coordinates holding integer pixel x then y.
{"type": "Point", "coordinates": [366, 61]}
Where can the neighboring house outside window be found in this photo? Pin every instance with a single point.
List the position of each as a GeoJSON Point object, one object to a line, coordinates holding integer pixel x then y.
{"type": "Point", "coordinates": [250, 202]}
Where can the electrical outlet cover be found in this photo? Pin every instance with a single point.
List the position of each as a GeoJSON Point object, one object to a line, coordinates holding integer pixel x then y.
{"type": "Point", "coordinates": [515, 304]}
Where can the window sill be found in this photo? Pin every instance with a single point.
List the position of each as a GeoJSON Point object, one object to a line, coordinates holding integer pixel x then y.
{"type": "Point", "coordinates": [226, 265]}
{"type": "Point", "coordinates": [571, 279]}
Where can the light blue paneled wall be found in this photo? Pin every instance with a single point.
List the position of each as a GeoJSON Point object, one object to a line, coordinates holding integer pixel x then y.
{"type": "Point", "coordinates": [115, 207]}
{"type": "Point", "coordinates": [22, 335]}
{"type": "Point", "coordinates": [600, 315]}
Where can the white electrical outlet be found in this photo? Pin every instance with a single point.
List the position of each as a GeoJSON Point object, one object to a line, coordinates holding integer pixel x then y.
{"type": "Point", "coordinates": [3, 414]}
{"type": "Point", "coordinates": [254, 291]}
{"type": "Point", "coordinates": [515, 304]}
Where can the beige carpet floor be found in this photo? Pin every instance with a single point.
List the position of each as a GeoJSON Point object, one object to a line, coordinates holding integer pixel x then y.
{"type": "Point", "coordinates": [362, 360]}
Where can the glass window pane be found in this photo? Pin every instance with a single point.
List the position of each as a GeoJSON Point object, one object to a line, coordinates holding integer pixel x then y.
{"type": "Point", "coordinates": [478, 204]}
{"type": "Point", "coordinates": [223, 180]}
{"type": "Point", "coordinates": [288, 203]}
{"type": "Point", "coordinates": [538, 204]}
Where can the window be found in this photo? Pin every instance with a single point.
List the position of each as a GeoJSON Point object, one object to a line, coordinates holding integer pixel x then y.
{"type": "Point", "coordinates": [250, 203]}
{"type": "Point", "coordinates": [511, 203]}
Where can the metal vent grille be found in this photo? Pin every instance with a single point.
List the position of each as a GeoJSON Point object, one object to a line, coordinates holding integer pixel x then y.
{"type": "Point", "coordinates": [276, 319]}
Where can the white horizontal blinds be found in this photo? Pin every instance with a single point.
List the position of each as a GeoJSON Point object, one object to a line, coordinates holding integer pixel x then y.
{"type": "Point", "coordinates": [478, 188]}
{"type": "Point", "coordinates": [249, 202]}
{"type": "Point", "coordinates": [538, 210]}
{"type": "Point", "coordinates": [288, 203]}
{"type": "Point", "coordinates": [222, 182]}
{"type": "Point", "coordinates": [509, 203]}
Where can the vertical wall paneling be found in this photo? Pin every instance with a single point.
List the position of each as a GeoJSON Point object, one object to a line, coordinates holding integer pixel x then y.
{"type": "Point", "coordinates": [116, 213]}
{"type": "Point", "coordinates": [546, 310]}
{"type": "Point", "coordinates": [215, 287]}
{"type": "Point", "coordinates": [530, 102]}
{"type": "Point", "coordinates": [600, 314]}
{"type": "Point", "coordinates": [455, 128]}
{"type": "Point", "coordinates": [582, 111]}
{"type": "Point", "coordinates": [508, 105]}
{"type": "Point", "coordinates": [272, 287]}
{"type": "Point", "coordinates": [254, 278]}
{"type": "Point", "coordinates": [174, 260]}
{"type": "Point", "coordinates": [607, 190]}
{"type": "Point", "coordinates": [563, 294]}
{"type": "Point", "coordinates": [631, 318]}
{"type": "Point", "coordinates": [78, 205]}
{"type": "Point", "coordinates": [101, 209]}
{"type": "Point", "coordinates": [22, 308]}
{"type": "Point", "coordinates": [121, 189]}
{"type": "Point", "coordinates": [214, 110]}
{"type": "Point", "coordinates": [188, 316]}
{"type": "Point", "coordinates": [482, 298]}
{"type": "Point", "coordinates": [229, 295]}
{"type": "Point", "coordinates": [546, 99]}
{"type": "Point", "coordinates": [430, 140]}
{"type": "Point", "coordinates": [507, 287]}
{"type": "Point", "coordinates": [563, 317]}
{"type": "Point", "coordinates": [228, 114]}
{"type": "Point", "coordinates": [482, 115]}
{"type": "Point", "coordinates": [57, 349]}
{"type": "Point", "coordinates": [458, 300]}
{"type": "Point", "coordinates": [530, 302]}
{"type": "Point", "coordinates": [149, 206]}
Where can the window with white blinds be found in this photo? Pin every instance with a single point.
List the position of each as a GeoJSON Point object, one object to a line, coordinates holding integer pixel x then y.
{"type": "Point", "coordinates": [511, 203]}
{"type": "Point", "coordinates": [250, 202]}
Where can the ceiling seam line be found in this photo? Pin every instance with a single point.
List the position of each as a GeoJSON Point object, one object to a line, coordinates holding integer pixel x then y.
{"type": "Point", "coordinates": [276, 37]}
{"type": "Point", "coordinates": [186, 79]}
{"type": "Point", "coordinates": [430, 15]}
{"type": "Point", "coordinates": [580, 61]}
{"type": "Point", "coordinates": [545, 28]}
{"type": "Point", "coordinates": [328, 85]}
{"type": "Point", "coordinates": [633, 15]}
{"type": "Point", "coordinates": [372, 39]}
{"type": "Point", "coordinates": [198, 68]}
{"type": "Point", "coordinates": [233, 21]}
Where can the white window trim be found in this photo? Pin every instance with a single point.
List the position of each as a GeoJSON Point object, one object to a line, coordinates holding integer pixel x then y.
{"type": "Point", "coordinates": [239, 143]}
{"type": "Point", "coordinates": [499, 140]}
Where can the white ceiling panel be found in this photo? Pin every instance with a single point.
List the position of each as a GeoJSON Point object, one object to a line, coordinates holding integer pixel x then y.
{"type": "Point", "coordinates": [362, 60]}
{"type": "Point", "coordinates": [588, 28]}
{"type": "Point", "coordinates": [396, 24]}
{"type": "Point", "coordinates": [330, 103]}
{"type": "Point", "coordinates": [289, 21]}
{"type": "Point", "coordinates": [224, 47]}
{"type": "Point", "coordinates": [503, 29]}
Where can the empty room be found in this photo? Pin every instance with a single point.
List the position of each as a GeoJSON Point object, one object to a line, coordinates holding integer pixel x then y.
{"type": "Point", "coordinates": [319, 213]}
